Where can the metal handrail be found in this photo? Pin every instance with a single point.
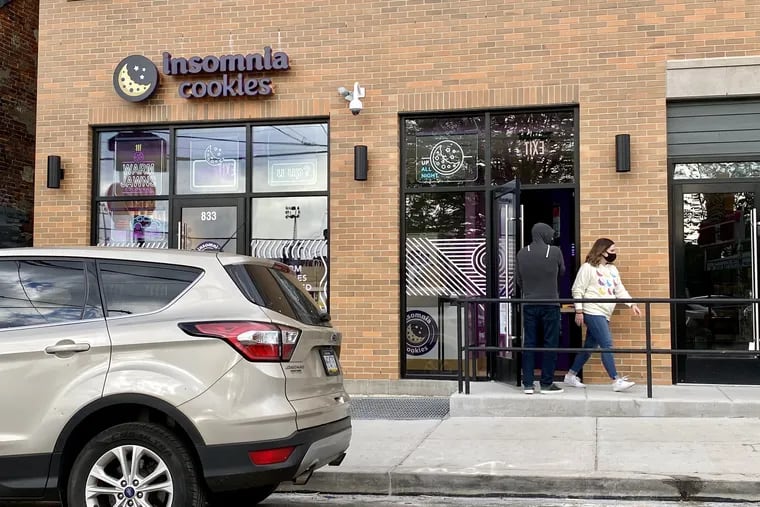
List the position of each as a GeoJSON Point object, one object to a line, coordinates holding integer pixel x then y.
{"type": "Point", "coordinates": [465, 349]}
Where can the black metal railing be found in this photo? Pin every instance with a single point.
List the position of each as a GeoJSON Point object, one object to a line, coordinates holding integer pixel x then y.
{"type": "Point", "coordinates": [465, 347]}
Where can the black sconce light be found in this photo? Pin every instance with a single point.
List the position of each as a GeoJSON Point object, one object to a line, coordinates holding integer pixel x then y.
{"type": "Point", "coordinates": [623, 153]}
{"type": "Point", "coordinates": [360, 163]}
{"type": "Point", "coordinates": [54, 171]}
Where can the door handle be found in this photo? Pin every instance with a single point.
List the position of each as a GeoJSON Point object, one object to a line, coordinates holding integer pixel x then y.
{"type": "Point", "coordinates": [67, 347]}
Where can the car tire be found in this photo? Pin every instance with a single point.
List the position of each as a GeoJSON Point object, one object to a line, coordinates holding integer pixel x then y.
{"type": "Point", "coordinates": [243, 497]}
{"type": "Point", "coordinates": [161, 458]}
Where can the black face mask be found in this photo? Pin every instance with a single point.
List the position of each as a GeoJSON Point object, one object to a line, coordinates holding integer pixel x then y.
{"type": "Point", "coordinates": [610, 257]}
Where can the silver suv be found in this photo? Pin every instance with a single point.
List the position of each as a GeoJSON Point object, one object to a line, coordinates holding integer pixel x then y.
{"type": "Point", "coordinates": [136, 377]}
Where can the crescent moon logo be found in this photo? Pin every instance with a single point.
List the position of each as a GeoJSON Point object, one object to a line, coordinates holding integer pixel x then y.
{"type": "Point", "coordinates": [135, 78]}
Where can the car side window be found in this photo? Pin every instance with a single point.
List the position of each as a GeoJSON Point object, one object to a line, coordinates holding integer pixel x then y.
{"type": "Point", "coordinates": [141, 287]}
{"type": "Point", "coordinates": [44, 291]}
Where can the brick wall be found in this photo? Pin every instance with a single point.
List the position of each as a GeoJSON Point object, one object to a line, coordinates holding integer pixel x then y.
{"type": "Point", "coordinates": [18, 93]}
{"type": "Point", "coordinates": [607, 56]}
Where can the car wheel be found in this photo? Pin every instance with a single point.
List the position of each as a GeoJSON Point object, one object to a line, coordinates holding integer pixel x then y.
{"type": "Point", "coordinates": [134, 465]}
{"type": "Point", "coordinates": [243, 497]}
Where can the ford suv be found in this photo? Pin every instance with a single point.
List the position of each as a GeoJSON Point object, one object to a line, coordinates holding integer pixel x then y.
{"type": "Point", "coordinates": [157, 378]}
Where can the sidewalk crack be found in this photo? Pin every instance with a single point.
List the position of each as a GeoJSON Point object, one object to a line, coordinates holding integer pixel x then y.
{"type": "Point", "coordinates": [596, 444]}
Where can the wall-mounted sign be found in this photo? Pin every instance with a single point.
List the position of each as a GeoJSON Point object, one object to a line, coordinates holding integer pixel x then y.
{"type": "Point", "coordinates": [292, 173]}
{"type": "Point", "coordinates": [136, 77]}
{"type": "Point", "coordinates": [233, 82]}
{"type": "Point", "coordinates": [447, 159]}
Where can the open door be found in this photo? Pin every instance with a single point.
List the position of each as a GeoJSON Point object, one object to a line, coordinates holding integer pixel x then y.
{"type": "Point", "coordinates": [508, 236]}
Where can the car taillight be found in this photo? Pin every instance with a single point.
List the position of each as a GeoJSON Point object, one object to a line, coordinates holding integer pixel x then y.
{"type": "Point", "coordinates": [256, 341]}
{"type": "Point", "coordinates": [270, 456]}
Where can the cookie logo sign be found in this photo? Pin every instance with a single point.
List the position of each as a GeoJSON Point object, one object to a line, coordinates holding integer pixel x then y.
{"type": "Point", "coordinates": [135, 78]}
{"type": "Point", "coordinates": [421, 333]}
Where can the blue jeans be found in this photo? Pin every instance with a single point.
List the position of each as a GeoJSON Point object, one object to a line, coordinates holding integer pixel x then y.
{"type": "Point", "coordinates": [597, 335]}
{"type": "Point", "coordinates": [536, 317]}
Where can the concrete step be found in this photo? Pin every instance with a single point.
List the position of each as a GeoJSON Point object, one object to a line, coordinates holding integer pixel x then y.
{"type": "Point", "coordinates": [496, 399]}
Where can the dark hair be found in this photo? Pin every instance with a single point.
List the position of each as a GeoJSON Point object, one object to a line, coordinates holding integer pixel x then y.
{"type": "Point", "coordinates": [600, 246]}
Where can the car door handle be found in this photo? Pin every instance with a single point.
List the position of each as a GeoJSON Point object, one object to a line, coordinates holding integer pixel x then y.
{"type": "Point", "coordinates": [67, 347]}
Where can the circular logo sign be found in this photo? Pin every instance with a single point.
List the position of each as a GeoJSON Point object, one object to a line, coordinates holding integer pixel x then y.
{"type": "Point", "coordinates": [421, 333]}
{"type": "Point", "coordinates": [135, 78]}
{"type": "Point", "coordinates": [447, 157]}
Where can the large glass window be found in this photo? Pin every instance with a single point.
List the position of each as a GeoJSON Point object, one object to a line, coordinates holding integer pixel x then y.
{"type": "Point", "coordinates": [444, 151]}
{"type": "Point", "coordinates": [210, 160]}
{"type": "Point", "coordinates": [288, 158]}
{"type": "Point", "coordinates": [133, 224]}
{"type": "Point", "coordinates": [133, 163]}
{"type": "Point", "coordinates": [293, 230]}
{"type": "Point", "coordinates": [536, 147]}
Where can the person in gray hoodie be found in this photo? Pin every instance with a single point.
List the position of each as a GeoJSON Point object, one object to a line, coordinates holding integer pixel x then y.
{"type": "Point", "coordinates": [537, 269]}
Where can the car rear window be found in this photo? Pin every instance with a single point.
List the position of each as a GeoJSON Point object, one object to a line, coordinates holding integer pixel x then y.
{"type": "Point", "coordinates": [277, 290]}
{"type": "Point", "coordinates": [141, 287]}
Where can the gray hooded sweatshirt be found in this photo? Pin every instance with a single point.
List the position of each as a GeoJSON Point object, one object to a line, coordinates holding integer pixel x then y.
{"type": "Point", "coordinates": [539, 265]}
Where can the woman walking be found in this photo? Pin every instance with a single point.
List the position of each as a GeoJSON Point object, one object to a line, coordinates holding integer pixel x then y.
{"type": "Point", "coordinates": [598, 278]}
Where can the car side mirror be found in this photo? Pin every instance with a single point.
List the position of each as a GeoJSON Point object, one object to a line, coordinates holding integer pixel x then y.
{"type": "Point", "coordinates": [324, 316]}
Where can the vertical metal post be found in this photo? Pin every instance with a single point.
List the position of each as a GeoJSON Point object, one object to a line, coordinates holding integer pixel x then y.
{"type": "Point", "coordinates": [648, 324]}
{"type": "Point", "coordinates": [466, 357]}
{"type": "Point", "coordinates": [460, 350]}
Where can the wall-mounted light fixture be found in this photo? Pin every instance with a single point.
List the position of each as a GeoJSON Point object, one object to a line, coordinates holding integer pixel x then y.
{"type": "Point", "coordinates": [623, 153]}
{"type": "Point", "coordinates": [54, 171]}
{"type": "Point", "coordinates": [354, 104]}
{"type": "Point", "coordinates": [360, 162]}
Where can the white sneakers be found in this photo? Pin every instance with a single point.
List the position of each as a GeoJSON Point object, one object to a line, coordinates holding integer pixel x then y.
{"type": "Point", "coordinates": [621, 384]}
{"type": "Point", "coordinates": [572, 381]}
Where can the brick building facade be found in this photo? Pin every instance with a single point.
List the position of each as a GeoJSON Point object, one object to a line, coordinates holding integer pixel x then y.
{"type": "Point", "coordinates": [18, 93]}
{"type": "Point", "coordinates": [592, 70]}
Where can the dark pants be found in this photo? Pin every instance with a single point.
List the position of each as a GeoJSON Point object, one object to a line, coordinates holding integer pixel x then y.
{"type": "Point", "coordinates": [535, 318]}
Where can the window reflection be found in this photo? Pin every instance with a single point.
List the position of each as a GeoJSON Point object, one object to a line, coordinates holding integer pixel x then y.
{"type": "Point", "coordinates": [293, 230]}
{"type": "Point", "coordinates": [133, 224]}
{"type": "Point", "coordinates": [535, 147]}
{"type": "Point", "coordinates": [717, 170]}
{"type": "Point", "coordinates": [289, 158]}
{"type": "Point", "coordinates": [210, 160]}
{"type": "Point", "coordinates": [445, 256]}
{"type": "Point", "coordinates": [42, 292]}
{"type": "Point", "coordinates": [133, 163]}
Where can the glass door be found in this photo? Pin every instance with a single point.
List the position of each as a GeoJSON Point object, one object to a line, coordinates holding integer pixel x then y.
{"type": "Point", "coordinates": [715, 240]}
{"type": "Point", "coordinates": [209, 225]}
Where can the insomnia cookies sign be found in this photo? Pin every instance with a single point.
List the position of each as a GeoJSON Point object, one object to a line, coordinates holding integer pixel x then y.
{"type": "Point", "coordinates": [233, 75]}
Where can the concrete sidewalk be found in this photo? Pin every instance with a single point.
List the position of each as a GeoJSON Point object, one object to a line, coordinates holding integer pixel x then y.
{"type": "Point", "coordinates": [630, 447]}
{"type": "Point", "coordinates": [695, 458]}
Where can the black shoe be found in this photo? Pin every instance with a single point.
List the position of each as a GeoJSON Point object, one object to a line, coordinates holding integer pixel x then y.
{"type": "Point", "coordinates": [552, 389]}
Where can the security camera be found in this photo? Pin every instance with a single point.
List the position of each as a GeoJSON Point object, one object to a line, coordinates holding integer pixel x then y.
{"type": "Point", "coordinates": [355, 106]}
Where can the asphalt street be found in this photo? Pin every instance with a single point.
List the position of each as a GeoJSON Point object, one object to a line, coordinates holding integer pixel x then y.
{"type": "Point", "coordinates": [304, 500]}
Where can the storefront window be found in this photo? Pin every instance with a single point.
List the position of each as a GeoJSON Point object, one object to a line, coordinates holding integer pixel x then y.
{"type": "Point", "coordinates": [445, 256]}
{"type": "Point", "coordinates": [210, 160]}
{"type": "Point", "coordinates": [290, 158]}
{"type": "Point", "coordinates": [133, 163]}
{"type": "Point", "coordinates": [537, 147]}
{"type": "Point", "coordinates": [444, 151]}
{"type": "Point", "coordinates": [133, 224]}
{"type": "Point", "coordinates": [293, 230]}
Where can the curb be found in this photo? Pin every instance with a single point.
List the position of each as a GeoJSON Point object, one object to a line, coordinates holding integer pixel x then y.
{"type": "Point", "coordinates": [638, 486]}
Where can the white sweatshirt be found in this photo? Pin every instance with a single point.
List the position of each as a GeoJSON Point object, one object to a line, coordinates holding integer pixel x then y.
{"type": "Point", "coordinates": [598, 282]}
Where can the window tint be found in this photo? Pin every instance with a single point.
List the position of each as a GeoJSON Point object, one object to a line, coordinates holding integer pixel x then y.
{"type": "Point", "coordinates": [276, 290]}
{"type": "Point", "coordinates": [131, 287]}
{"type": "Point", "coordinates": [45, 292]}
